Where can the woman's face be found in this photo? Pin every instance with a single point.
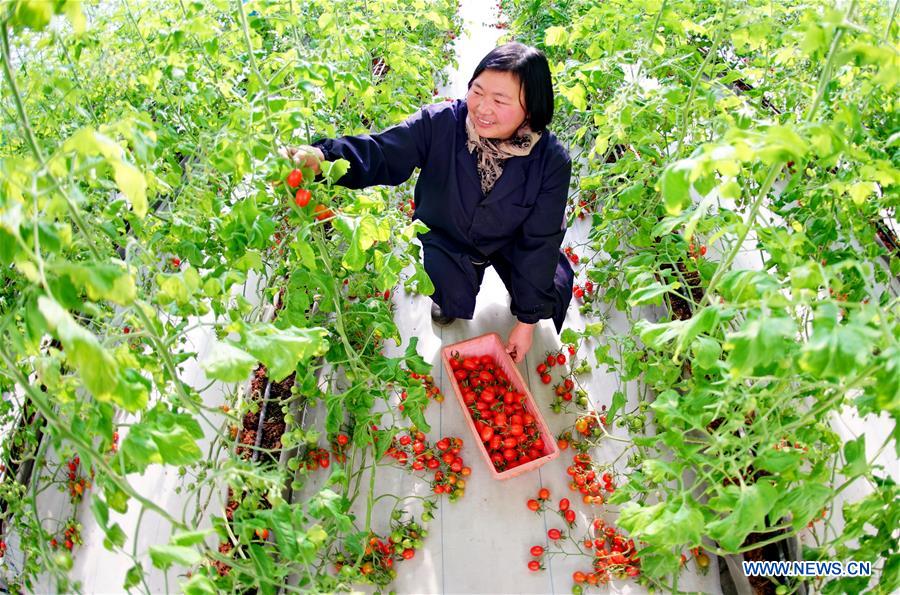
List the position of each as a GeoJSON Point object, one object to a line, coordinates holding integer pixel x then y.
{"type": "Point", "coordinates": [496, 103]}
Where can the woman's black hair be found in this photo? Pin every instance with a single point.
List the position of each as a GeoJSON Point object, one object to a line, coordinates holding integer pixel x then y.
{"type": "Point", "coordinates": [530, 66]}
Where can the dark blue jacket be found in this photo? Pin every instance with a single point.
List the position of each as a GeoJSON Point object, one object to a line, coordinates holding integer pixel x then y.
{"type": "Point", "coordinates": [521, 221]}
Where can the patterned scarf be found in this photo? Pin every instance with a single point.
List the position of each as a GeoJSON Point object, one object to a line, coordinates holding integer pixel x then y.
{"type": "Point", "coordinates": [492, 153]}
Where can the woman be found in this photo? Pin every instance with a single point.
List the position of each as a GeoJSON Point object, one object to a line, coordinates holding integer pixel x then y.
{"type": "Point", "coordinates": [492, 189]}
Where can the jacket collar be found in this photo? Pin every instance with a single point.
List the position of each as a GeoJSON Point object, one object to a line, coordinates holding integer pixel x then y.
{"type": "Point", "coordinates": [514, 170]}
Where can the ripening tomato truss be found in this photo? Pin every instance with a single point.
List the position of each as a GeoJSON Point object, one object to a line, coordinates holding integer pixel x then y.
{"type": "Point", "coordinates": [182, 305]}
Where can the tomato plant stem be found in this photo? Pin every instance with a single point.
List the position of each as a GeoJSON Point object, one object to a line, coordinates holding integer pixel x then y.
{"type": "Point", "coordinates": [652, 36]}
{"type": "Point", "coordinates": [713, 48]}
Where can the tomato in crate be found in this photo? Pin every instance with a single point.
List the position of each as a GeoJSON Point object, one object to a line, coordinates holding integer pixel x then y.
{"type": "Point", "coordinates": [499, 409]}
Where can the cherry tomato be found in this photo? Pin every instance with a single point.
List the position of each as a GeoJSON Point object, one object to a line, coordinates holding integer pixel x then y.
{"type": "Point", "coordinates": [544, 494]}
{"type": "Point", "coordinates": [564, 504]}
{"type": "Point", "coordinates": [537, 551]}
{"type": "Point", "coordinates": [322, 212]}
{"type": "Point", "coordinates": [554, 534]}
{"type": "Point", "coordinates": [533, 505]}
{"type": "Point", "coordinates": [294, 178]}
{"type": "Point", "coordinates": [301, 199]}
{"type": "Point", "coordinates": [561, 359]}
{"type": "Point", "coordinates": [534, 566]}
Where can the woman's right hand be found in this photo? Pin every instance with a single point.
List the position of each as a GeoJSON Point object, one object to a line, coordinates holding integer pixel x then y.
{"type": "Point", "coordinates": [304, 156]}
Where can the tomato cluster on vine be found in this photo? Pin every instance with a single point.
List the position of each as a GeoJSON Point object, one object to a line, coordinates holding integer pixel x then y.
{"type": "Point", "coordinates": [314, 458]}
{"type": "Point", "coordinates": [589, 481]}
{"type": "Point", "coordinates": [76, 483]}
{"type": "Point", "coordinates": [380, 553]}
{"type": "Point", "coordinates": [71, 536]}
{"type": "Point", "coordinates": [552, 359]}
{"type": "Point", "coordinates": [507, 429]}
{"type": "Point", "coordinates": [571, 255]}
{"type": "Point", "coordinates": [614, 554]}
{"type": "Point", "coordinates": [443, 458]}
{"type": "Point", "coordinates": [431, 389]}
{"type": "Point", "coordinates": [585, 292]}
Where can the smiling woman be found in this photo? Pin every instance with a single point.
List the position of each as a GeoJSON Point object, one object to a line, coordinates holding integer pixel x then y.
{"type": "Point", "coordinates": [492, 189]}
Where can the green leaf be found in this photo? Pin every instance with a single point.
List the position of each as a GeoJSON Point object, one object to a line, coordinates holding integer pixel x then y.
{"type": "Point", "coordinates": [34, 14]}
{"type": "Point", "coordinates": [101, 281]}
{"type": "Point", "coordinates": [675, 185]}
{"type": "Point", "coordinates": [72, 9]}
{"type": "Point", "coordinates": [100, 510]}
{"type": "Point", "coordinates": [130, 180]}
{"type": "Point", "coordinates": [115, 537]}
{"type": "Point", "coordinates": [414, 407]}
{"type": "Point", "coordinates": [855, 455]}
{"type": "Point", "coordinates": [576, 94]}
{"type": "Point", "coordinates": [763, 342]}
{"type": "Point", "coordinates": [569, 337]}
{"type": "Point", "coordinates": [282, 350]}
{"type": "Point", "coordinates": [782, 461]}
{"type": "Point", "coordinates": [228, 363]}
{"type": "Point", "coordinates": [199, 585]}
{"type": "Point", "coordinates": [175, 440]}
{"type": "Point", "coordinates": [133, 577]}
{"type": "Point", "coordinates": [415, 362]}
{"type": "Point", "coordinates": [334, 405]}
{"type": "Point", "coordinates": [836, 350]}
{"type": "Point", "coordinates": [162, 437]}
{"type": "Point", "coordinates": [265, 568]}
{"type": "Point", "coordinates": [650, 294]}
{"type": "Point", "coordinates": [383, 440]}
{"type": "Point", "coordinates": [783, 144]}
{"type": "Point", "coordinates": [618, 401]}
{"type": "Point", "coordinates": [164, 556]}
{"type": "Point", "coordinates": [706, 352]}
{"type": "Point", "coordinates": [334, 170]}
{"type": "Point", "coordinates": [133, 185]}
{"type": "Point", "coordinates": [860, 191]}
{"type": "Point", "coordinates": [804, 502]}
{"type": "Point", "coordinates": [421, 280]}
{"type": "Point", "coordinates": [329, 505]}
{"type": "Point", "coordinates": [753, 503]}
{"type": "Point", "coordinates": [96, 366]}
{"type": "Point", "coordinates": [188, 538]}
{"type": "Point", "coordinates": [555, 36]}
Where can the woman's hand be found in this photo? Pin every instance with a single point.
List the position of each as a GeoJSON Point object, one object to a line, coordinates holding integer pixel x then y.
{"type": "Point", "coordinates": [519, 342]}
{"type": "Point", "coordinates": [304, 156]}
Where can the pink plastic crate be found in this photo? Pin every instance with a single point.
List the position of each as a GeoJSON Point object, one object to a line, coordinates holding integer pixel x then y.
{"type": "Point", "coordinates": [491, 344]}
